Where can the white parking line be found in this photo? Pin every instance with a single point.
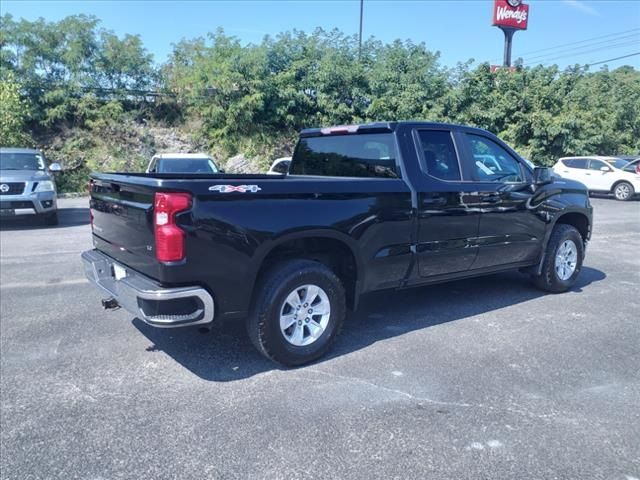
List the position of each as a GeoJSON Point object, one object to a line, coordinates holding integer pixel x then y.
{"type": "Point", "coordinates": [72, 281]}
{"type": "Point", "coordinates": [29, 254]}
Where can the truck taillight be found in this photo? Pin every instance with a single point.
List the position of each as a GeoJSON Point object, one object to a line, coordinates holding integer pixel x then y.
{"type": "Point", "coordinates": [169, 237]}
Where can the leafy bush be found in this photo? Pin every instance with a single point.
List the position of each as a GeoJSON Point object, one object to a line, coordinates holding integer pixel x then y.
{"type": "Point", "coordinates": [94, 100]}
{"type": "Point", "coordinates": [14, 111]}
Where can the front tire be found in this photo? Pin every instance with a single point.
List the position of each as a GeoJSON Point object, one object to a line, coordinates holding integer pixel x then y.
{"type": "Point", "coordinates": [297, 313]}
{"type": "Point", "coordinates": [623, 191]}
{"type": "Point", "coordinates": [562, 260]}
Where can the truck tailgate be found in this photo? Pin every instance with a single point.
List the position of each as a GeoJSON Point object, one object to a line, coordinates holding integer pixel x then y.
{"type": "Point", "coordinates": [123, 223]}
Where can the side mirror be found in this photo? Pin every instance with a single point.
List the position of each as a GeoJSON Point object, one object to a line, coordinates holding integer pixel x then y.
{"type": "Point", "coordinates": [542, 176]}
{"type": "Point", "coordinates": [221, 170]}
{"type": "Point", "coordinates": [605, 169]}
{"type": "Point", "coordinates": [55, 167]}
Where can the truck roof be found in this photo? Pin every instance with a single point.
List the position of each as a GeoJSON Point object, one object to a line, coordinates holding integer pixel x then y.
{"type": "Point", "coordinates": [378, 127]}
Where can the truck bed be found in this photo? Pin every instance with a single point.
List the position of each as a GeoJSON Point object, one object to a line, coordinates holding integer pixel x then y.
{"type": "Point", "coordinates": [228, 232]}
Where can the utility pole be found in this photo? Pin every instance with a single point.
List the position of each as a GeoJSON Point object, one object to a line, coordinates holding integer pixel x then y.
{"type": "Point", "coordinates": [360, 36]}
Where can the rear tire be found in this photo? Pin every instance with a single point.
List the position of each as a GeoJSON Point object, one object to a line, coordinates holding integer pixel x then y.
{"type": "Point", "coordinates": [287, 290]}
{"type": "Point", "coordinates": [623, 191]}
{"type": "Point", "coordinates": [562, 260]}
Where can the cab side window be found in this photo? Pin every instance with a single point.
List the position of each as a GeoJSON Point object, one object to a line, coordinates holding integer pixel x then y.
{"type": "Point", "coordinates": [492, 163]}
{"type": "Point", "coordinates": [439, 154]}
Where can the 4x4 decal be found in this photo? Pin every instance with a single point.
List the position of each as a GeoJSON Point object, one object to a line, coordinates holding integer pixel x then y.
{"type": "Point", "coordinates": [235, 188]}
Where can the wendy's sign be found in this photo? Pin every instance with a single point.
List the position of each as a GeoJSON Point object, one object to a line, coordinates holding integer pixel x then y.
{"type": "Point", "coordinates": [510, 14]}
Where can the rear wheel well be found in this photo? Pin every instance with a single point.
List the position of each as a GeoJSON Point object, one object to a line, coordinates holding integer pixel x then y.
{"type": "Point", "coordinates": [618, 182]}
{"type": "Point", "coordinates": [577, 220]}
{"type": "Point", "coordinates": [333, 253]}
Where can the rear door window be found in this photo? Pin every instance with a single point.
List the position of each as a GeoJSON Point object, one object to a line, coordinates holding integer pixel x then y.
{"type": "Point", "coordinates": [439, 154]}
{"type": "Point", "coordinates": [577, 163]}
{"type": "Point", "coordinates": [360, 155]}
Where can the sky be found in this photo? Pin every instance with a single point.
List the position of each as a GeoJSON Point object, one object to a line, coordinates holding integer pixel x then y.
{"type": "Point", "coordinates": [564, 32]}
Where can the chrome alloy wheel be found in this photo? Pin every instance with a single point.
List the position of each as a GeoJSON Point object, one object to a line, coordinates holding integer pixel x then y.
{"type": "Point", "coordinates": [566, 259]}
{"type": "Point", "coordinates": [304, 315]}
{"type": "Point", "coordinates": [622, 191]}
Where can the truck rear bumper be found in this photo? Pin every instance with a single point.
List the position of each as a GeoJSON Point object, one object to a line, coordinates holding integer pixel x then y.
{"type": "Point", "coordinates": [143, 297]}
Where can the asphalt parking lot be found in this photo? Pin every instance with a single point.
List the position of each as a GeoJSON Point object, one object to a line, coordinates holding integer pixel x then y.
{"type": "Point", "coordinates": [483, 378]}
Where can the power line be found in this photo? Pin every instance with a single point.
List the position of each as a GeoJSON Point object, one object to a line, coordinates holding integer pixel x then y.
{"type": "Point", "coordinates": [581, 41]}
{"type": "Point", "coordinates": [634, 36]}
{"type": "Point", "coordinates": [585, 41]}
{"type": "Point", "coordinates": [585, 52]}
{"type": "Point", "coordinates": [547, 61]}
{"type": "Point", "coordinates": [612, 59]}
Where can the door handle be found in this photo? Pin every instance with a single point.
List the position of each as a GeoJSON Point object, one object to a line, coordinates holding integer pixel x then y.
{"type": "Point", "coordinates": [491, 198]}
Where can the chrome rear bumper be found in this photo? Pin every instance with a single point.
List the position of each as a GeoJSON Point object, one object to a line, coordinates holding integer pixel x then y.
{"type": "Point", "coordinates": [146, 299]}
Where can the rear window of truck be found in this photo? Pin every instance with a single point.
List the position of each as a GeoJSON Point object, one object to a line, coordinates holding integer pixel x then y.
{"type": "Point", "coordinates": [361, 155]}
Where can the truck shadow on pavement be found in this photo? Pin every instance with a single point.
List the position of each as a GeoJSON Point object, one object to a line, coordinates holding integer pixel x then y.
{"type": "Point", "coordinates": [225, 353]}
{"type": "Point", "coordinates": [68, 217]}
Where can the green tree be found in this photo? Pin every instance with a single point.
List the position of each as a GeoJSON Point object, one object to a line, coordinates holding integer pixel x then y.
{"type": "Point", "coordinates": [14, 112]}
{"type": "Point", "coordinates": [406, 82]}
{"type": "Point", "coordinates": [123, 64]}
{"type": "Point", "coordinates": [81, 90]}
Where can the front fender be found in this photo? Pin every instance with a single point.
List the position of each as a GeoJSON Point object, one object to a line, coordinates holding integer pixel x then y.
{"type": "Point", "coordinates": [562, 205]}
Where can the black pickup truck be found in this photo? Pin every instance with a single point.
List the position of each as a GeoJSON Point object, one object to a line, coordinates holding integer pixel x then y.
{"type": "Point", "coordinates": [363, 208]}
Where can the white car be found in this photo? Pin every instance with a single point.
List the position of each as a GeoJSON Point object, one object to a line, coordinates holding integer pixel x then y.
{"type": "Point", "coordinates": [182, 163]}
{"type": "Point", "coordinates": [280, 166]}
{"type": "Point", "coordinates": [600, 174]}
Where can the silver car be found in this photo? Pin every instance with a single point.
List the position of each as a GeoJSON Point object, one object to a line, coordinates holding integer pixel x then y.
{"type": "Point", "coordinates": [27, 186]}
